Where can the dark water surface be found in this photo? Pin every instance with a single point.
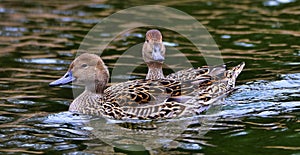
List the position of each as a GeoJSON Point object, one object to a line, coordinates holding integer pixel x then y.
{"type": "Point", "coordinates": [39, 39]}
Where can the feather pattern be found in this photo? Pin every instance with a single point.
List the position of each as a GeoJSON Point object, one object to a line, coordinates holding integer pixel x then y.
{"type": "Point", "coordinates": [146, 98]}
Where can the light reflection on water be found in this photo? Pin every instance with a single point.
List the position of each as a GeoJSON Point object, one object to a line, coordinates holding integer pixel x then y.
{"type": "Point", "coordinates": [39, 39]}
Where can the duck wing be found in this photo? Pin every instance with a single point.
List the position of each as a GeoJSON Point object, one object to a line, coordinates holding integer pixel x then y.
{"type": "Point", "coordinates": [151, 99]}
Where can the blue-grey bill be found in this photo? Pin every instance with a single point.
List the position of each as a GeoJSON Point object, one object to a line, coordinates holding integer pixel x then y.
{"type": "Point", "coordinates": [67, 78]}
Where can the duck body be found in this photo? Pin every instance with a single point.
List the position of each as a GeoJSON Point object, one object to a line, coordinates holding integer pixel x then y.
{"type": "Point", "coordinates": [141, 99]}
{"type": "Point", "coordinates": [175, 96]}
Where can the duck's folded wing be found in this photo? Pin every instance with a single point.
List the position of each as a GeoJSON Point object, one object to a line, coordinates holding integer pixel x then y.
{"type": "Point", "coordinates": [150, 99]}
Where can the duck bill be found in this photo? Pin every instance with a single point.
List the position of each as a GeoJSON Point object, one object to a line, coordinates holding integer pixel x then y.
{"type": "Point", "coordinates": [67, 78]}
{"type": "Point", "coordinates": [156, 53]}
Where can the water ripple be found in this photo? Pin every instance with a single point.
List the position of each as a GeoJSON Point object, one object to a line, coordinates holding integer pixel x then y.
{"type": "Point", "coordinates": [39, 40]}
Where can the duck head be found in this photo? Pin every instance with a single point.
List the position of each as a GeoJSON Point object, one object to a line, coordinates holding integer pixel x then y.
{"type": "Point", "coordinates": [88, 70]}
{"type": "Point", "coordinates": [154, 54]}
{"type": "Point", "coordinates": [153, 48]}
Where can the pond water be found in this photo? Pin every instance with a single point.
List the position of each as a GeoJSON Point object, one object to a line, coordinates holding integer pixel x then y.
{"type": "Point", "coordinates": [39, 39]}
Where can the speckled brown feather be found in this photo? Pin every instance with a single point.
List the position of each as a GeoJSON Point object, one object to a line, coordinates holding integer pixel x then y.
{"type": "Point", "coordinates": [147, 99]}
{"type": "Point", "coordinates": [167, 98]}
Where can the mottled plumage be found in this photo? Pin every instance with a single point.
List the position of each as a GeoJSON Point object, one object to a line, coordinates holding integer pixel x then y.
{"type": "Point", "coordinates": [142, 99]}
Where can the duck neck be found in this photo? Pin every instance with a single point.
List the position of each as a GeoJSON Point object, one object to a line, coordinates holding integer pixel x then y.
{"type": "Point", "coordinates": [155, 71]}
{"type": "Point", "coordinates": [88, 102]}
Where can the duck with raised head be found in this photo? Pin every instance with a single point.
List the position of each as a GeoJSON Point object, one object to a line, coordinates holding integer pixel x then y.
{"type": "Point", "coordinates": [154, 51]}
{"type": "Point", "coordinates": [137, 99]}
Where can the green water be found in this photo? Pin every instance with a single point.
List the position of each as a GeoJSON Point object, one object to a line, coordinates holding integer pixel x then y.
{"type": "Point", "coordinates": [39, 39]}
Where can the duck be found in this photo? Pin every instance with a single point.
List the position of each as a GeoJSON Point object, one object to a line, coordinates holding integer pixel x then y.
{"type": "Point", "coordinates": [140, 99]}
{"type": "Point", "coordinates": [153, 53]}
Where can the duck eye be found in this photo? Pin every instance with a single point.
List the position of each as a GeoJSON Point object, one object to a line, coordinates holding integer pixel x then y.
{"type": "Point", "coordinates": [84, 65]}
{"type": "Point", "coordinates": [147, 41]}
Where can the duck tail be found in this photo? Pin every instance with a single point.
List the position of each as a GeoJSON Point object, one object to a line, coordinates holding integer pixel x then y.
{"type": "Point", "coordinates": [237, 70]}
{"type": "Point", "coordinates": [233, 73]}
